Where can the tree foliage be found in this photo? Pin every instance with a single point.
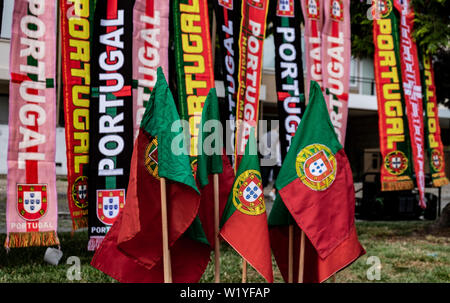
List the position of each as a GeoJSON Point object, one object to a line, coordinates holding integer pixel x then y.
{"type": "Point", "coordinates": [431, 31]}
{"type": "Point", "coordinates": [432, 26]}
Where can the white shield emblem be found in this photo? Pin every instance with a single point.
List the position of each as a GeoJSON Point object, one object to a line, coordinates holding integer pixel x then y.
{"type": "Point", "coordinates": [317, 167]}
{"type": "Point", "coordinates": [396, 162]}
{"type": "Point", "coordinates": [111, 207]}
{"type": "Point", "coordinates": [82, 191]}
{"type": "Point", "coordinates": [312, 7]}
{"type": "Point", "coordinates": [32, 201]}
{"type": "Point", "coordinates": [436, 160]}
{"type": "Point", "coordinates": [336, 9]}
{"type": "Point", "coordinates": [252, 192]}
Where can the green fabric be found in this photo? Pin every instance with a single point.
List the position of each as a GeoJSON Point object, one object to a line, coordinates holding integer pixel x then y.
{"type": "Point", "coordinates": [196, 232]}
{"type": "Point", "coordinates": [280, 215]}
{"type": "Point", "coordinates": [209, 161]}
{"type": "Point", "coordinates": [315, 127]}
{"type": "Point", "coordinates": [158, 118]}
{"type": "Point", "coordinates": [249, 161]}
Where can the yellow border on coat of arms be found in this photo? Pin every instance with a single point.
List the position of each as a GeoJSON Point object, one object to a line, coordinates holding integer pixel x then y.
{"type": "Point", "coordinates": [387, 163]}
{"type": "Point", "coordinates": [74, 193]}
{"type": "Point", "coordinates": [148, 161]}
{"type": "Point", "coordinates": [435, 151]}
{"type": "Point", "coordinates": [255, 208]}
{"type": "Point", "coordinates": [305, 154]}
{"type": "Point", "coordinates": [389, 5]}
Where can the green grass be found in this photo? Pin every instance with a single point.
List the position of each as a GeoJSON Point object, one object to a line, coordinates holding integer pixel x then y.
{"type": "Point", "coordinates": [406, 251]}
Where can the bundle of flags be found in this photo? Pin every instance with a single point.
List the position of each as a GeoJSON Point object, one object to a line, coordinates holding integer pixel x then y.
{"type": "Point", "coordinates": [316, 195]}
{"type": "Point", "coordinates": [150, 177]}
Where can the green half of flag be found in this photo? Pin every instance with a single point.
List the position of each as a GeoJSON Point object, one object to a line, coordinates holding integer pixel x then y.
{"type": "Point", "coordinates": [160, 121]}
{"type": "Point", "coordinates": [210, 143]}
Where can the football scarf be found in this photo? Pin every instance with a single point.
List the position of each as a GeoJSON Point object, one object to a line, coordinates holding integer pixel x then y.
{"type": "Point", "coordinates": [395, 146]}
{"type": "Point", "coordinates": [412, 90]}
{"type": "Point", "coordinates": [194, 68]}
{"type": "Point", "coordinates": [132, 250]}
{"type": "Point", "coordinates": [313, 16]}
{"type": "Point", "coordinates": [150, 50]}
{"type": "Point", "coordinates": [76, 34]}
{"type": "Point", "coordinates": [251, 41]}
{"type": "Point", "coordinates": [228, 18]}
{"type": "Point", "coordinates": [289, 70]}
{"type": "Point", "coordinates": [433, 142]}
{"type": "Point", "coordinates": [336, 57]}
{"type": "Point", "coordinates": [32, 208]}
{"type": "Point", "coordinates": [111, 139]}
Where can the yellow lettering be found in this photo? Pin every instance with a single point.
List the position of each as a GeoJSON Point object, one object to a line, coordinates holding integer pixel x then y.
{"type": "Point", "coordinates": [387, 58]}
{"type": "Point", "coordinates": [187, 24]}
{"type": "Point", "coordinates": [83, 148]}
{"type": "Point", "coordinates": [194, 7]}
{"type": "Point", "coordinates": [432, 126]}
{"type": "Point", "coordinates": [396, 127]}
{"type": "Point", "coordinates": [430, 109]}
{"type": "Point", "coordinates": [393, 108]}
{"type": "Point", "coordinates": [82, 50]}
{"type": "Point", "coordinates": [385, 42]}
{"type": "Point", "coordinates": [432, 141]}
{"type": "Point", "coordinates": [385, 26]}
{"type": "Point", "coordinates": [78, 100]}
{"type": "Point", "coordinates": [387, 91]}
{"type": "Point", "coordinates": [193, 84]}
{"type": "Point", "coordinates": [392, 139]}
{"type": "Point", "coordinates": [79, 28]}
{"type": "Point", "coordinates": [79, 161]}
{"type": "Point", "coordinates": [192, 43]}
{"type": "Point", "coordinates": [391, 74]}
{"type": "Point", "coordinates": [199, 64]}
{"type": "Point", "coordinates": [195, 104]}
{"type": "Point", "coordinates": [81, 7]}
{"type": "Point", "coordinates": [83, 73]}
{"type": "Point", "coordinates": [83, 123]}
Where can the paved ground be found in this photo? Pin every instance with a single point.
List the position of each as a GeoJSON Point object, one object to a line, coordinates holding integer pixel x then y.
{"type": "Point", "coordinates": [64, 221]}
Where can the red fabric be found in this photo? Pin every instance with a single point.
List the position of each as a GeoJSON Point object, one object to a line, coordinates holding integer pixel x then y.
{"type": "Point", "coordinates": [115, 263]}
{"type": "Point", "coordinates": [249, 236]}
{"type": "Point", "coordinates": [136, 237]}
{"type": "Point", "coordinates": [206, 211]}
{"type": "Point", "coordinates": [326, 217]}
{"type": "Point", "coordinates": [316, 270]}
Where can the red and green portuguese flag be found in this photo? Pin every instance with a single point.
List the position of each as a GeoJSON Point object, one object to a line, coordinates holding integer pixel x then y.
{"type": "Point", "coordinates": [212, 159]}
{"type": "Point", "coordinates": [244, 220]}
{"type": "Point", "coordinates": [132, 249]}
{"type": "Point", "coordinates": [316, 185]}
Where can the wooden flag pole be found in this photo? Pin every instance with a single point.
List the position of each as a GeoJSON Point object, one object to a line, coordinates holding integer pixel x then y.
{"type": "Point", "coordinates": [301, 266]}
{"type": "Point", "coordinates": [216, 229]}
{"type": "Point", "coordinates": [244, 271]}
{"type": "Point", "coordinates": [291, 255]}
{"type": "Point", "coordinates": [165, 234]}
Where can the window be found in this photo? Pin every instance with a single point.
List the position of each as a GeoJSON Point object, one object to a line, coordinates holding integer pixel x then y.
{"type": "Point", "coordinates": [6, 12]}
{"type": "Point", "coordinates": [354, 73]}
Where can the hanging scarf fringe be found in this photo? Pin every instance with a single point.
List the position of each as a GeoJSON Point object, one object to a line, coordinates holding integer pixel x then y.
{"type": "Point", "coordinates": [94, 243]}
{"type": "Point", "coordinates": [440, 182]}
{"type": "Point", "coordinates": [392, 186]}
{"type": "Point", "coordinates": [47, 238]}
{"type": "Point", "coordinates": [80, 222]}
